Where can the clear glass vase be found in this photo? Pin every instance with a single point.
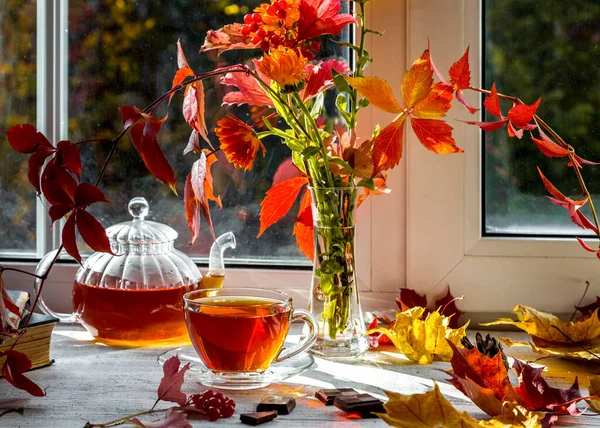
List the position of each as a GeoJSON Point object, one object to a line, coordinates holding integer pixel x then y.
{"type": "Point", "coordinates": [334, 299]}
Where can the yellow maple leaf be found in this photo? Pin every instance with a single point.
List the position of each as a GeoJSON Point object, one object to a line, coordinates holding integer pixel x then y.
{"type": "Point", "coordinates": [571, 350]}
{"type": "Point", "coordinates": [433, 410]}
{"type": "Point", "coordinates": [594, 390]}
{"type": "Point", "coordinates": [423, 340]}
{"type": "Point", "coordinates": [546, 326]}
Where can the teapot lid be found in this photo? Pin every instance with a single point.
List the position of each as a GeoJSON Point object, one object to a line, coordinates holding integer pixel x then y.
{"type": "Point", "coordinates": [140, 232]}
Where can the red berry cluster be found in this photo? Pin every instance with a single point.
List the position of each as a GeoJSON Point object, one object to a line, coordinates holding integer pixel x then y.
{"type": "Point", "coordinates": [214, 404]}
{"type": "Point", "coordinates": [253, 23]}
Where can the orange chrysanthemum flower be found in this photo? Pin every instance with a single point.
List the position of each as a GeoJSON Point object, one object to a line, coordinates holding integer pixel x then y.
{"type": "Point", "coordinates": [285, 67]}
{"type": "Point", "coordinates": [238, 141]}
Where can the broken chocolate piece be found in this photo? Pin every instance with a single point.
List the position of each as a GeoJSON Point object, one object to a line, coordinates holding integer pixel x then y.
{"type": "Point", "coordinates": [282, 405]}
{"type": "Point", "coordinates": [258, 417]}
{"type": "Point", "coordinates": [359, 403]}
{"type": "Point", "coordinates": [327, 396]}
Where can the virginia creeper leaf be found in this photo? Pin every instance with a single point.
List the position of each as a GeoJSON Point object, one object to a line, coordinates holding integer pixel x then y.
{"type": "Point", "coordinates": [377, 91]}
{"type": "Point", "coordinates": [387, 147]}
{"type": "Point", "coordinates": [436, 103]}
{"type": "Point", "coordinates": [172, 381]}
{"type": "Point", "coordinates": [15, 364]}
{"type": "Point", "coordinates": [70, 158]}
{"type": "Point", "coordinates": [492, 103]}
{"type": "Point", "coordinates": [278, 201]}
{"type": "Point", "coordinates": [69, 240]}
{"type": "Point", "coordinates": [319, 17]}
{"type": "Point", "coordinates": [88, 194]}
{"type": "Point", "coordinates": [417, 81]}
{"type": "Point", "coordinates": [304, 229]}
{"type": "Point", "coordinates": [320, 77]}
{"type": "Point", "coordinates": [435, 135]}
{"type": "Point", "coordinates": [522, 114]}
{"type": "Point", "coordinates": [36, 162]}
{"type": "Point", "coordinates": [92, 232]}
{"type": "Point", "coordinates": [58, 186]}
{"type": "Point", "coordinates": [460, 73]}
{"type": "Point", "coordinates": [144, 137]}
{"type": "Point", "coordinates": [26, 138]}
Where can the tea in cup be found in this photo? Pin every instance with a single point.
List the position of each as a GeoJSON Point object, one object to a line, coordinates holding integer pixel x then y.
{"type": "Point", "coordinates": [242, 330]}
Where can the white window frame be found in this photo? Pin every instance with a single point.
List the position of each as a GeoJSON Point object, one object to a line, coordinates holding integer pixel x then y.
{"type": "Point", "coordinates": [381, 226]}
{"type": "Point", "coordinates": [445, 245]}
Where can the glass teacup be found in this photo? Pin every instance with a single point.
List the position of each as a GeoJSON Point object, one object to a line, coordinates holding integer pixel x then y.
{"type": "Point", "coordinates": [242, 330]}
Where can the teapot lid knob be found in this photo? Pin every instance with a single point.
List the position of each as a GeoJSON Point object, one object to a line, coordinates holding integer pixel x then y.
{"type": "Point", "coordinates": [138, 208]}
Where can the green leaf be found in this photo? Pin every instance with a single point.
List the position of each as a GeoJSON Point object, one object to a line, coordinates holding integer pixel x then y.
{"type": "Point", "coordinates": [317, 106]}
{"type": "Point", "coordinates": [376, 132]}
{"type": "Point", "coordinates": [298, 161]}
{"type": "Point", "coordinates": [343, 164]}
{"type": "Point", "coordinates": [346, 45]}
{"type": "Point", "coordinates": [342, 105]}
{"type": "Point", "coordinates": [310, 151]}
{"type": "Point", "coordinates": [340, 82]}
{"type": "Point", "coordinates": [363, 103]}
{"type": "Point", "coordinates": [367, 182]}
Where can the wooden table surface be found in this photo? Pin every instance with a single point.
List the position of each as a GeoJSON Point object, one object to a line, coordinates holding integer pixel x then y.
{"type": "Point", "coordinates": [96, 383]}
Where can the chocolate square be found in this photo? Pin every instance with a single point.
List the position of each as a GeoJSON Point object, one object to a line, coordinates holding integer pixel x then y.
{"type": "Point", "coordinates": [359, 403]}
{"type": "Point", "coordinates": [258, 417]}
{"type": "Point", "coordinates": [282, 405]}
{"type": "Point", "coordinates": [327, 396]}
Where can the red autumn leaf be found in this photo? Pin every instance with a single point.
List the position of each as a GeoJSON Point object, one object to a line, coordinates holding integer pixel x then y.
{"type": "Point", "coordinates": [436, 103]}
{"type": "Point", "coordinates": [557, 193]}
{"type": "Point", "coordinates": [447, 306]}
{"type": "Point", "coordinates": [193, 144]}
{"type": "Point", "coordinates": [193, 108]}
{"type": "Point", "coordinates": [588, 310]}
{"type": "Point", "coordinates": [387, 147]}
{"type": "Point", "coordinates": [144, 137]}
{"type": "Point", "coordinates": [521, 115]}
{"type": "Point", "coordinates": [69, 239]}
{"type": "Point", "coordinates": [249, 91]}
{"type": "Point", "coordinates": [36, 163]}
{"type": "Point", "coordinates": [57, 185]}
{"type": "Point", "coordinates": [319, 17]}
{"type": "Point", "coordinates": [587, 247]}
{"type": "Point", "coordinates": [198, 191]}
{"type": "Point", "coordinates": [460, 73]}
{"type": "Point", "coordinates": [304, 228]}
{"type": "Point", "coordinates": [26, 139]}
{"type": "Point", "coordinates": [380, 189]}
{"type": "Point", "coordinates": [417, 81]}
{"type": "Point", "coordinates": [173, 419]}
{"type": "Point", "coordinates": [435, 135]}
{"type": "Point", "coordinates": [482, 378]}
{"type": "Point", "coordinates": [320, 77]}
{"type": "Point", "coordinates": [492, 103]}
{"type": "Point", "coordinates": [57, 212]}
{"type": "Point", "coordinates": [184, 69]}
{"type": "Point", "coordinates": [461, 99]}
{"type": "Point", "coordinates": [535, 393]}
{"type": "Point", "coordinates": [228, 38]}
{"type": "Point", "coordinates": [69, 157]}
{"type": "Point", "coordinates": [550, 148]}
{"type": "Point", "coordinates": [410, 299]}
{"type": "Point", "coordinates": [15, 364]}
{"type": "Point", "coordinates": [88, 194]}
{"type": "Point", "coordinates": [278, 201]}
{"type": "Point", "coordinates": [92, 232]}
{"type": "Point", "coordinates": [172, 381]}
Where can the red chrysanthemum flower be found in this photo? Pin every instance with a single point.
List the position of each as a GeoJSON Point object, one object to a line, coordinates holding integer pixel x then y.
{"type": "Point", "coordinates": [238, 141]}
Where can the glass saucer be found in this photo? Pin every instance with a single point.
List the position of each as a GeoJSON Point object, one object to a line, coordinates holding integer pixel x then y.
{"type": "Point", "coordinates": [239, 381]}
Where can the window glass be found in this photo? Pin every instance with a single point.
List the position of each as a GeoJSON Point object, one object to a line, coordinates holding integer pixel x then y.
{"type": "Point", "coordinates": [124, 53]}
{"type": "Point", "coordinates": [548, 49]}
{"type": "Point", "coordinates": [17, 105]}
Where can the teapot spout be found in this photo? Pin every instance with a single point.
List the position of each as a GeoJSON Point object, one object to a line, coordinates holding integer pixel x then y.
{"type": "Point", "coordinates": [216, 266]}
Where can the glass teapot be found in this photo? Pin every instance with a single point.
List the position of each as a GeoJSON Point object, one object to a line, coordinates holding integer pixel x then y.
{"type": "Point", "coordinates": [135, 297]}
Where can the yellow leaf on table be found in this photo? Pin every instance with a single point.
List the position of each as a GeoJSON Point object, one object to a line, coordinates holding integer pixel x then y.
{"type": "Point", "coordinates": [514, 415]}
{"type": "Point", "coordinates": [423, 340]}
{"type": "Point", "coordinates": [433, 410]}
{"type": "Point", "coordinates": [594, 390]}
{"type": "Point", "coordinates": [539, 324]}
{"type": "Point", "coordinates": [570, 350]}
{"type": "Point", "coordinates": [430, 409]}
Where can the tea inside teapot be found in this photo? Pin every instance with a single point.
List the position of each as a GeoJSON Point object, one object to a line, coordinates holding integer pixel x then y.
{"type": "Point", "coordinates": [135, 297]}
